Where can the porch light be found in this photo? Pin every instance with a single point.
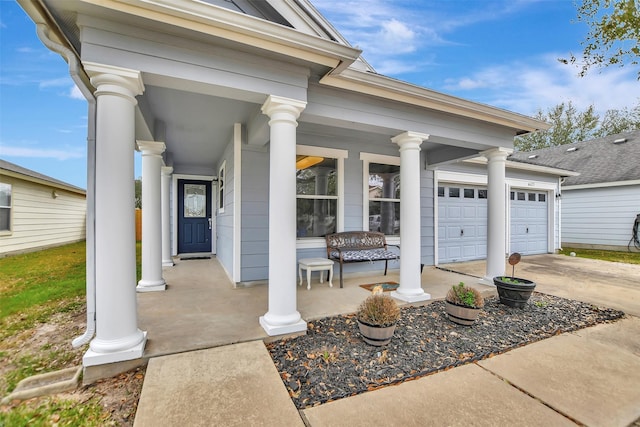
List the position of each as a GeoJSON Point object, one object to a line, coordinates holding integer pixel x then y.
{"type": "Point", "coordinates": [307, 161]}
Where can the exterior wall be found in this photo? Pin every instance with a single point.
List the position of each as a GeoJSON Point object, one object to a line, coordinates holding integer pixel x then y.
{"type": "Point", "coordinates": [255, 215]}
{"type": "Point", "coordinates": [224, 244]}
{"type": "Point", "coordinates": [599, 217]}
{"type": "Point", "coordinates": [427, 216]}
{"type": "Point", "coordinates": [39, 221]}
{"type": "Point", "coordinates": [255, 206]}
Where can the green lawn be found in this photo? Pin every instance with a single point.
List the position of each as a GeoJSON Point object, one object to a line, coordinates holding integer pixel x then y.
{"type": "Point", "coordinates": [33, 288]}
{"type": "Point", "coordinates": [614, 256]}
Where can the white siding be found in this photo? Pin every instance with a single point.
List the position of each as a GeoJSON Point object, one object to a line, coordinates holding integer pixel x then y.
{"type": "Point", "coordinates": [38, 220]}
{"type": "Point", "coordinates": [602, 217]}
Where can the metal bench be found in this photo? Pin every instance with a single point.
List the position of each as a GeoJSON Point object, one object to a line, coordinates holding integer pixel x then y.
{"type": "Point", "coordinates": [358, 246]}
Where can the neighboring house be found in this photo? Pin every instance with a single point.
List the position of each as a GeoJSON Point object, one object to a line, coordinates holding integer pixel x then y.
{"type": "Point", "coordinates": [600, 205]}
{"type": "Point", "coordinates": [37, 211]}
{"type": "Point", "coordinates": [261, 130]}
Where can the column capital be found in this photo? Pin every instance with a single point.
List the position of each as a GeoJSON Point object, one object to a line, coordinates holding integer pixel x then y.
{"type": "Point", "coordinates": [498, 153]}
{"type": "Point", "coordinates": [150, 147]}
{"type": "Point", "coordinates": [108, 79]}
{"type": "Point", "coordinates": [166, 170]}
{"type": "Point", "coordinates": [409, 140]}
{"type": "Point", "coordinates": [278, 104]}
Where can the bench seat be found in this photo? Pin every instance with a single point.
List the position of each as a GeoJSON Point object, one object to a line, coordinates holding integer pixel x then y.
{"type": "Point", "coordinates": [358, 246]}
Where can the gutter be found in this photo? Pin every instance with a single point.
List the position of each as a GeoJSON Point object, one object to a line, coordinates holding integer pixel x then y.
{"type": "Point", "coordinates": [83, 83]}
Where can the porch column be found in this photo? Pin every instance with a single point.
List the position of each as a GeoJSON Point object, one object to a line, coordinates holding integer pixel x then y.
{"type": "Point", "coordinates": [165, 197]}
{"type": "Point", "coordinates": [410, 289]}
{"type": "Point", "coordinates": [496, 211]}
{"type": "Point", "coordinates": [282, 317]}
{"type": "Point", "coordinates": [152, 279]}
{"type": "Point", "coordinates": [117, 335]}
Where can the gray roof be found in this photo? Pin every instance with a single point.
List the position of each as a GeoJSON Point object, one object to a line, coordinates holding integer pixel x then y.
{"type": "Point", "coordinates": [12, 167]}
{"type": "Point", "coordinates": [609, 159]}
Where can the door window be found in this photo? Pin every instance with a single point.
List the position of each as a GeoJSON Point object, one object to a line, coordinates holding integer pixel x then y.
{"type": "Point", "coordinates": [195, 201]}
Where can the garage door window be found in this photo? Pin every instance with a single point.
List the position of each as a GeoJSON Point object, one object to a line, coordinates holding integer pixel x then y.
{"type": "Point", "coordinates": [542, 198]}
{"type": "Point", "coordinates": [454, 192]}
{"type": "Point", "coordinates": [482, 194]}
{"type": "Point", "coordinates": [469, 193]}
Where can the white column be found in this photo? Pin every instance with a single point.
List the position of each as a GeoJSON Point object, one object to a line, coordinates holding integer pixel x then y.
{"type": "Point", "coordinates": [151, 279]}
{"type": "Point", "coordinates": [496, 211]}
{"type": "Point", "coordinates": [410, 289]}
{"type": "Point", "coordinates": [117, 335]}
{"type": "Point", "coordinates": [282, 316]}
{"type": "Point", "coordinates": [165, 197]}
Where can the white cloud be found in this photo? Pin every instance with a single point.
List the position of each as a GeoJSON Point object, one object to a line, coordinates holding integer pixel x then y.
{"type": "Point", "coordinates": [76, 94]}
{"type": "Point", "coordinates": [17, 151]}
{"type": "Point", "coordinates": [58, 82]}
{"type": "Point", "coordinates": [544, 83]}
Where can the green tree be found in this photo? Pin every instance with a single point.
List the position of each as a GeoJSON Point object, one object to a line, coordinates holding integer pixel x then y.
{"type": "Point", "coordinates": [138, 193]}
{"type": "Point", "coordinates": [567, 125]}
{"type": "Point", "coordinates": [613, 37]}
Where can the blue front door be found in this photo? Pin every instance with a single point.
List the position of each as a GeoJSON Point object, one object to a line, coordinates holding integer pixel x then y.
{"type": "Point", "coordinates": [194, 216]}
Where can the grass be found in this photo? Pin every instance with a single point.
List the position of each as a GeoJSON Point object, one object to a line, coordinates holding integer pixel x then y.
{"type": "Point", "coordinates": [34, 287]}
{"type": "Point", "coordinates": [613, 256]}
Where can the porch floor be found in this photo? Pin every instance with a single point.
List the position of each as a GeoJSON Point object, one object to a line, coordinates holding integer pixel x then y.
{"type": "Point", "coordinates": [202, 309]}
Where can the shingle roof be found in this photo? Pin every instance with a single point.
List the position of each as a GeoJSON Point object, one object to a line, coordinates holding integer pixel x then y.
{"type": "Point", "coordinates": [609, 159]}
{"type": "Point", "coordinates": [11, 167]}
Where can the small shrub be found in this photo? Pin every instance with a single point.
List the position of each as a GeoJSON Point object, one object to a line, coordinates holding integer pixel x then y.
{"type": "Point", "coordinates": [379, 310]}
{"type": "Point", "coordinates": [465, 296]}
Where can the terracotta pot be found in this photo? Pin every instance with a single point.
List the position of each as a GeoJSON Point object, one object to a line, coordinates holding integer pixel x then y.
{"type": "Point", "coordinates": [460, 314]}
{"type": "Point", "coordinates": [376, 335]}
{"type": "Point", "coordinates": [514, 294]}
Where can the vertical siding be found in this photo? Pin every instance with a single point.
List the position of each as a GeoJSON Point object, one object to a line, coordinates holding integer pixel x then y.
{"type": "Point", "coordinates": [39, 220]}
{"type": "Point", "coordinates": [224, 220]}
{"type": "Point", "coordinates": [599, 216]}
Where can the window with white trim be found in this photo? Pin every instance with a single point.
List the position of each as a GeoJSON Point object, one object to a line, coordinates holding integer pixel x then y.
{"type": "Point", "coordinates": [5, 207]}
{"type": "Point", "coordinates": [382, 196]}
{"type": "Point", "coordinates": [318, 191]}
{"type": "Point", "coordinates": [221, 184]}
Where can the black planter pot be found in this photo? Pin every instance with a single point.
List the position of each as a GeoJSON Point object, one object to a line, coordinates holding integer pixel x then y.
{"type": "Point", "coordinates": [514, 294]}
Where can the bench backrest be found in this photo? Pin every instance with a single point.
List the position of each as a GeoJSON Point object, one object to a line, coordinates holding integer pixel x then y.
{"type": "Point", "coordinates": [356, 240]}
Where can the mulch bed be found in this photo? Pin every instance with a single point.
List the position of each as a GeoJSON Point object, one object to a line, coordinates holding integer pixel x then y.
{"type": "Point", "coordinates": [332, 361]}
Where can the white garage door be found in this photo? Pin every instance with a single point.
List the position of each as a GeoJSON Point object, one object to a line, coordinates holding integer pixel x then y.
{"type": "Point", "coordinates": [529, 222]}
{"type": "Point", "coordinates": [462, 223]}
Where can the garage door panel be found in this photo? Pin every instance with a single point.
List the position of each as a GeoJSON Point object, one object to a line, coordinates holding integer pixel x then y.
{"type": "Point", "coordinates": [529, 226]}
{"type": "Point", "coordinates": [462, 214]}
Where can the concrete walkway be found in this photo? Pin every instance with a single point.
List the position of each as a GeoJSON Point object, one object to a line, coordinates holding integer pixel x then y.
{"type": "Point", "coordinates": [590, 377]}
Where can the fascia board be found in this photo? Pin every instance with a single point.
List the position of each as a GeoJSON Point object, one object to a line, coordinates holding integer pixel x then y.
{"type": "Point", "coordinates": [527, 167]}
{"type": "Point", "coordinates": [220, 22]}
{"type": "Point", "coordinates": [386, 87]}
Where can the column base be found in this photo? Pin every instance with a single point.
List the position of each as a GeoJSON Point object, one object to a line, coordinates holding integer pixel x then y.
{"type": "Point", "coordinates": [271, 330]}
{"type": "Point", "coordinates": [151, 285]}
{"type": "Point", "coordinates": [487, 281]}
{"type": "Point", "coordinates": [168, 263]}
{"type": "Point", "coordinates": [93, 358]}
{"type": "Point", "coordinates": [411, 297]}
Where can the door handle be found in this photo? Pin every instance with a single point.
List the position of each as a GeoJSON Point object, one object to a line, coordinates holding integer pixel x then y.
{"type": "Point", "coordinates": [209, 223]}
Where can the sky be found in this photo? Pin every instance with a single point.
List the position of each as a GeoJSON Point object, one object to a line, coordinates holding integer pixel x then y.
{"type": "Point", "coordinates": [502, 53]}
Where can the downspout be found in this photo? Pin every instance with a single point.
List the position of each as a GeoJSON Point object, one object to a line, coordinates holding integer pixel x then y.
{"type": "Point", "coordinates": [42, 31]}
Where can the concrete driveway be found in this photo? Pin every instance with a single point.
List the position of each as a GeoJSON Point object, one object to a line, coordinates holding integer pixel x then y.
{"type": "Point", "coordinates": [610, 284]}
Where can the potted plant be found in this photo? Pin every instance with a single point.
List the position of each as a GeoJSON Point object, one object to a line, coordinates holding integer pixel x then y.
{"type": "Point", "coordinates": [377, 317]}
{"type": "Point", "coordinates": [514, 291]}
{"type": "Point", "coordinates": [463, 304]}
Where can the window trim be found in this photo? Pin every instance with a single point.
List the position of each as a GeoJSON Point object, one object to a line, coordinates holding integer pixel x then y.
{"type": "Point", "coordinates": [368, 158]}
{"type": "Point", "coordinates": [10, 208]}
{"type": "Point", "coordinates": [222, 178]}
{"type": "Point", "coordinates": [339, 155]}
